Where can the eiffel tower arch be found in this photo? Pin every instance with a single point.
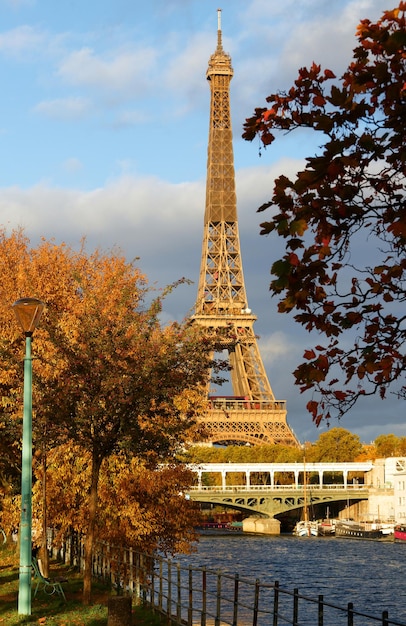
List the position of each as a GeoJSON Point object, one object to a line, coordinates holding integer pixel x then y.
{"type": "Point", "coordinates": [251, 414]}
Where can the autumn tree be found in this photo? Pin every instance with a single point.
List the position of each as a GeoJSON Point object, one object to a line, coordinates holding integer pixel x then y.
{"type": "Point", "coordinates": [343, 219]}
{"type": "Point", "coordinates": [368, 453]}
{"type": "Point", "coordinates": [139, 507]}
{"type": "Point", "coordinates": [107, 375]}
{"type": "Point", "coordinates": [390, 445]}
{"type": "Point", "coordinates": [336, 445]}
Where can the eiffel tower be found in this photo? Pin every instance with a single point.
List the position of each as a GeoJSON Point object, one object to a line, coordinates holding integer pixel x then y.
{"type": "Point", "coordinates": [251, 414]}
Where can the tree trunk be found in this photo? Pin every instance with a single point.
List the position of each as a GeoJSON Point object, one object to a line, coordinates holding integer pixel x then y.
{"type": "Point", "coordinates": [89, 541]}
{"type": "Point", "coordinates": [44, 541]}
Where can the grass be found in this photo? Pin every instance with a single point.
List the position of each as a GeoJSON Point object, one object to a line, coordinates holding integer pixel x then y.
{"type": "Point", "coordinates": [51, 610]}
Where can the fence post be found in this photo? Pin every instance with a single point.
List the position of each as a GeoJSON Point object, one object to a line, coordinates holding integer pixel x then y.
{"type": "Point", "coordinates": [152, 589]}
{"type": "Point", "coordinates": [385, 618]}
{"type": "Point", "coordinates": [160, 597]}
{"type": "Point", "coordinates": [236, 589]}
{"type": "Point", "coordinates": [217, 620]}
{"type": "Point", "coordinates": [179, 598]}
{"type": "Point", "coordinates": [320, 611]}
{"type": "Point", "coordinates": [144, 578]}
{"type": "Point", "coordinates": [295, 607]}
{"type": "Point", "coordinates": [350, 617]}
{"type": "Point", "coordinates": [256, 603]}
{"type": "Point", "coordinates": [190, 603]}
{"type": "Point", "coordinates": [275, 603]}
{"type": "Point", "coordinates": [169, 598]}
{"type": "Point", "coordinates": [204, 597]}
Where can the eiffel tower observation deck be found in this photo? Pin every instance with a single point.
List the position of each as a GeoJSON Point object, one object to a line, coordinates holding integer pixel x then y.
{"type": "Point", "coordinates": [251, 414]}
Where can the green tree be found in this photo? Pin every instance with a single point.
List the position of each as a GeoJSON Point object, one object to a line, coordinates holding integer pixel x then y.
{"type": "Point", "coordinates": [107, 375]}
{"type": "Point", "coordinates": [347, 205]}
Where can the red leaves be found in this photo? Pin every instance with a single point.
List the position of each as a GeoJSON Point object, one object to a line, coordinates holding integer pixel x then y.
{"type": "Point", "coordinates": [294, 259]}
{"type": "Point", "coordinates": [319, 100]}
{"type": "Point", "coordinates": [268, 114]}
{"type": "Point", "coordinates": [398, 228]}
{"type": "Point", "coordinates": [309, 354]}
{"type": "Point", "coordinates": [343, 269]}
{"type": "Point", "coordinates": [313, 408]}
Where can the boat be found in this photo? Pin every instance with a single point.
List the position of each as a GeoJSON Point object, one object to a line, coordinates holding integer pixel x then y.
{"type": "Point", "coordinates": [357, 530]}
{"type": "Point", "coordinates": [400, 532]}
{"type": "Point", "coordinates": [306, 528]}
{"type": "Point", "coordinates": [327, 527]}
{"type": "Point", "coordinates": [387, 528]}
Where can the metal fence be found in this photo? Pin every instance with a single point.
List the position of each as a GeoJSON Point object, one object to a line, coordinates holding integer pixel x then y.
{"type": "Point", "coordinates": [192, 596]}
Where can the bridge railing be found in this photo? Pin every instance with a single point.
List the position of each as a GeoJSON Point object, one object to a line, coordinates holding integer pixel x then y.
{"type": "Point", "coordinates": [310, 488]}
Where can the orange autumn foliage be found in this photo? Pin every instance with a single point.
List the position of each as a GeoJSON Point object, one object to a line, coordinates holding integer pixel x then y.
{"type": "Point", "coordinates": [106, 374]}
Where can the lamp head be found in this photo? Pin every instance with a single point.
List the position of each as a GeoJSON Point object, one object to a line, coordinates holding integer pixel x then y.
{"type": "Point", "coordinates": [28, 312]}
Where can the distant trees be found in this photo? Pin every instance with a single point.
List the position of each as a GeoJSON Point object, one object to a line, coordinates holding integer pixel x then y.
{"type": "Point", "coordinates": [390, 445]}
{"type": "Point", "coordinates": [336, 445]}
{"type": "Point", "coordinates": [243, 454]}
{"type": "Point", "coordinates": [343, 219]}
{"type": "Point", "coordinates": [107, 375]}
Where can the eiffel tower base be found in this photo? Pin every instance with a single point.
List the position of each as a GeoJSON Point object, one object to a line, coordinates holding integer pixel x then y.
{"type": "Point", "coordinates": [261, 525]}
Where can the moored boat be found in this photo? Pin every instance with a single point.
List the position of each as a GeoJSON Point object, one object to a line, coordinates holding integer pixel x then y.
{"type": "Point", "coordinates": [357, 530]}
{"type": "Point", "coordinates": [327, 527]}
{"type": "Point", "coordinates": [400, 532]}
{"type": "Point", "coordinates": [306, 528]}
{"type": "Point", "coordinates": [387, 528]}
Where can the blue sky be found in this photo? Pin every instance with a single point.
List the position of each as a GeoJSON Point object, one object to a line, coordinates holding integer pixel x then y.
{"type": "Point", "coordinates": [104, 128]}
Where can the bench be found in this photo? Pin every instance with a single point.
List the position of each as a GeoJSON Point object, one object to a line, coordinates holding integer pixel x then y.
{"type": "Point", "coordinates": [48, 585]}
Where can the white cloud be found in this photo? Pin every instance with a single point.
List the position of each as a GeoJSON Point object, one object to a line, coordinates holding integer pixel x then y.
{"type": "Point", "coordinates": [21, 41]}
{"type": "Point", "coordinates": [124, 119]}
{"type": "Point", "coordinates": [72, 165]}
{"type": "Point", "coordinates": [64, 108]}
{"type": "Point", "coordinates": [184, 75]}
{"type": "Point", "coordinates": [16, 4]}
{"type": "Point", "coordinates": [117, 74]}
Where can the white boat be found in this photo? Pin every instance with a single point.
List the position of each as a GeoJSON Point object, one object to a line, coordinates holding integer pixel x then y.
{"type": "Point", "coordinates": [386, 528]}
{"type": "Point", "coordinates": [305, 528]}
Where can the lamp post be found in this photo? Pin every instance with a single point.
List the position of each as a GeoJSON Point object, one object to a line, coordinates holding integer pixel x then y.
{"type": "Point", "coordinates": [28, 312]}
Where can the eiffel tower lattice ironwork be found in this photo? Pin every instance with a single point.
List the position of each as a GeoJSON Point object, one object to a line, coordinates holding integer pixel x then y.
{"type": "Point", "coordinates": [252, 414]}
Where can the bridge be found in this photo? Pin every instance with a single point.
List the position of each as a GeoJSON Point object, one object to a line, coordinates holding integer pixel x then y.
{"type": "Point", "coordinates": [262, 492]}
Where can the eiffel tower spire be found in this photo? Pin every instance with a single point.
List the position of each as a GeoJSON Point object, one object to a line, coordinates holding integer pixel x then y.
{"type": "Point", "coordinates": [252, 414]}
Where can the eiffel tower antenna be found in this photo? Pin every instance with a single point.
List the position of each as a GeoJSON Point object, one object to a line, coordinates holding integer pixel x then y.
{"type": "Point", "coordinates": [251, 414]}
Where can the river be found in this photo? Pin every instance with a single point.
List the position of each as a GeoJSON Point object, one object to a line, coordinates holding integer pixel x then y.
{"type": "Point", "coordinates": [370, 574]}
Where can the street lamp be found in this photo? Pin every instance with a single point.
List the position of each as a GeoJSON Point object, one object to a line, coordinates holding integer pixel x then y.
{"type": "Point", "coordinates": [28, 312]}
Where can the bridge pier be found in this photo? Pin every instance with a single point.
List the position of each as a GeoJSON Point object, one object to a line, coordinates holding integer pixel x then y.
{"type": "Point", "coordinates": [261, 525]}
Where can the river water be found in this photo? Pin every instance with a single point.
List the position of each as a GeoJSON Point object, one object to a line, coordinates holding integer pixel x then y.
{"type": "Point", "coordinates": [370, 574]}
